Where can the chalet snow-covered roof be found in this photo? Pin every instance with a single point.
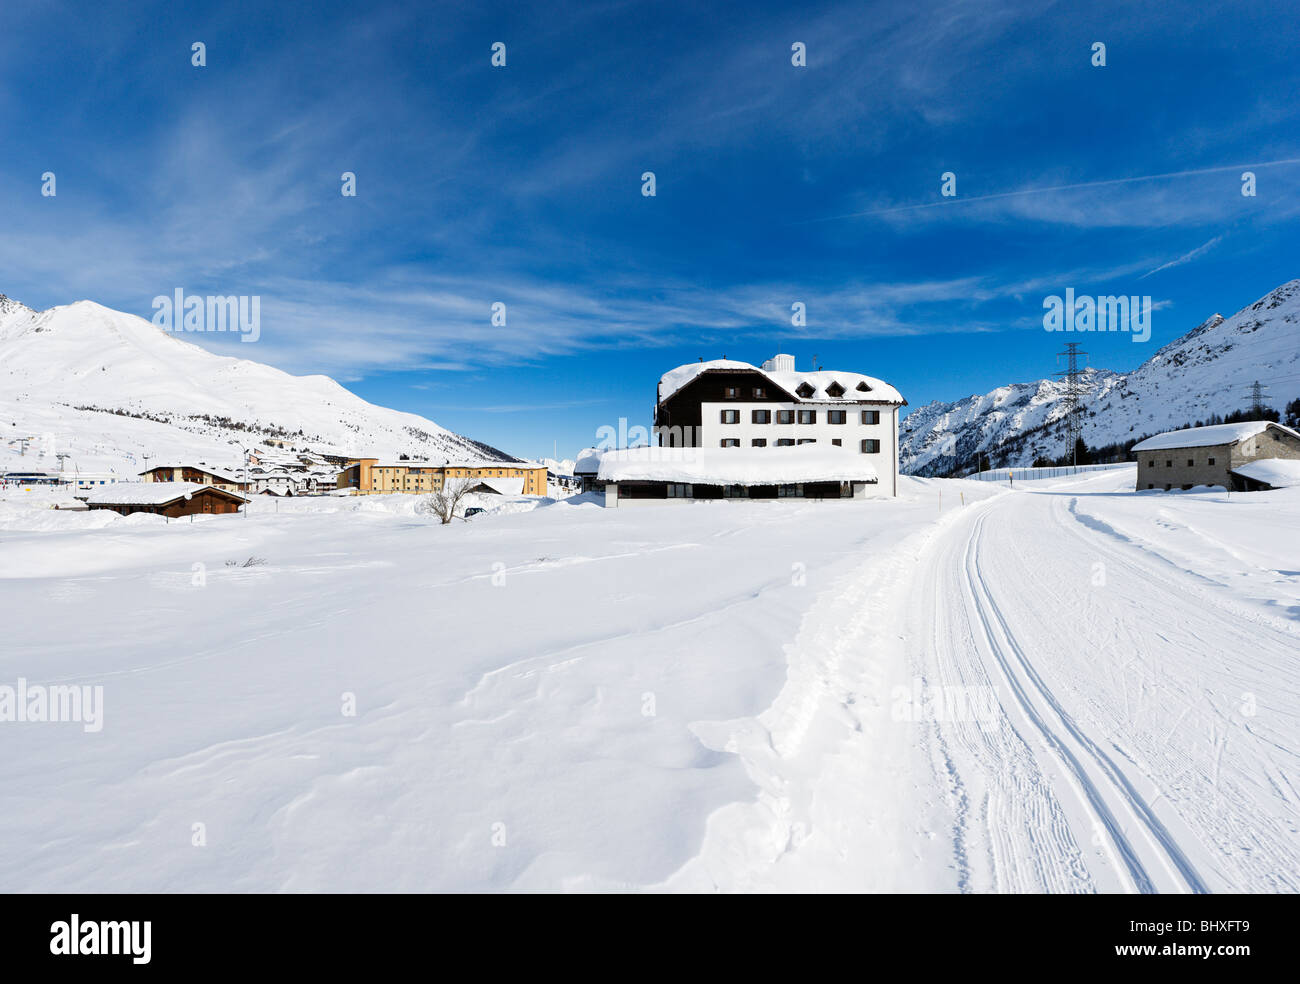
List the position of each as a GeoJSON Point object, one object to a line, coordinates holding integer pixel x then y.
{"type": "Point", "coordinates": [855, 385]}
{"type": "Point", "coordinates": [501, 486]}
{"type": "Point", "coordinates": [588, 461]}
{"type": "Point", "coordinates": [1205, 437]}
{"type": "Point", "coordinates": [149, 493]}
{"type": "Point", "coordinates": [1280, 473]}
{"type": "Point", "coordinates": [737, 466]}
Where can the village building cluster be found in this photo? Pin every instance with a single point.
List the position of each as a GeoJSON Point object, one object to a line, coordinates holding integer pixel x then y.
{"type": "Point", "coordinates": [723, 429]}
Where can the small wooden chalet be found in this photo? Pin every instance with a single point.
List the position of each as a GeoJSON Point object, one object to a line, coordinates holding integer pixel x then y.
{"type": "Point", "coordinates": [170, 499]}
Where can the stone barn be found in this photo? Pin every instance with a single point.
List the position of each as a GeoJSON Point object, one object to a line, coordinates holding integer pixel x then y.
{"type": "Point", "coordinates": [1195, 456]}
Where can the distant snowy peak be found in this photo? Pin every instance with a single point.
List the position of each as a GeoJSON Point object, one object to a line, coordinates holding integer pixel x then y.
{"type": "Point", "coordinates": [82, 367]}
{"type": "Point", "coordinates": [8, 306]}
{"type": "Point", "coordinates": [1207, 371]}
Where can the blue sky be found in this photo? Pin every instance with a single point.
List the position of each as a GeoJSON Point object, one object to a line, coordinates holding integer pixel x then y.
{"type": "Point", "coordinates": [522, 185]}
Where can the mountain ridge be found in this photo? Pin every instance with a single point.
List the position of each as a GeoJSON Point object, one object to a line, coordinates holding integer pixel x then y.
{"type": "Point", "coordinates": [1201, 373]}
{"type": "Point", "coordinates": [70, 375]}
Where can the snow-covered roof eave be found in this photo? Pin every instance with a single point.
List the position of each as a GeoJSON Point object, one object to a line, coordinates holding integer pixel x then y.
{"type": "Point", "coordinates": [736, 466]}
{"type": "Point", "coordinates": [151, 493]}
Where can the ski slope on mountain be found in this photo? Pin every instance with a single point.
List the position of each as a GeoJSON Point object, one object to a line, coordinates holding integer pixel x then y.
{"type": "Point", "coordinates": [1206, 371]}
{"type": "Point", "coordinates": [108, 387]}
{"type": "Point", "coordinates": [1065, 687]}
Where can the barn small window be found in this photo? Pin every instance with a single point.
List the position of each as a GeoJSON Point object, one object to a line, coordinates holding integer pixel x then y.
{"type": "Point", "coordinates": [1190, 462]}
{"type": "Point", "coordinates": [1169, 464]}
{"type": "Point", "coordinates": [1209, 461]}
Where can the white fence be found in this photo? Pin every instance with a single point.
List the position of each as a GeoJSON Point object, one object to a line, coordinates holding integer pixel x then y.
{"type": "Point", "coordinates": [1032, 474]}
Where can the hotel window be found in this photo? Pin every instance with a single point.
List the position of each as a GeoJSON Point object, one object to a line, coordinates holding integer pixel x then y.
{"type": "Point", "coordinates": [807, 440]}
{"type": "Point", "coordinates": [734, 491]}
{"type": "Point", "coordinates": [837, 442]}
{"type": "Point", "coordinates": [760, 393]}
{"type": "Point", "coordinates": [731, 392]}
{"type": "Point", "coordinates": [871, 416]}
{"type": "Point", "coordinates": [731, 416]}
{"type": "Point", "coordinates": [785, 442]}
{"type": "Point", "coordinates": [730, 442]}
{"type": "Point", "coordinates": [761, 417]}
{"type": "Point", "coordinates": [788, 491]}
{"type": "Point", "coordinates": [807, 416]}
{"type": "Point", "coordinates": [835, 416]}
{"type": "Point", "coordinates": [785, 416]}
{"type": "Point", "coordinates": [870, 446]}
{"type": "Point", "coordinates": [758, 442]}
{"type": "Point", "coordinates": [678, 490]}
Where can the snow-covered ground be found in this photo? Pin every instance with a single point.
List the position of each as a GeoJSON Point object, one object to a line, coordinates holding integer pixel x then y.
{"type": "Point", "coordinates": [728, 696]}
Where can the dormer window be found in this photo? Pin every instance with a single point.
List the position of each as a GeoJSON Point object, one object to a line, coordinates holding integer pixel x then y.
{"type": "Point", "coordinates": [863, 387]}
{"type": "Point", "coordinates": [731, 392]}
{"type": "Point", "coordinates": [835, 389]}
{"type": "Point", "coordinates": [805, 391]}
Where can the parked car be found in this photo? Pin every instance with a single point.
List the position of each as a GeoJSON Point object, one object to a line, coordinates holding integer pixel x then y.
{"type": "Point", "coordinates": [473, 511]}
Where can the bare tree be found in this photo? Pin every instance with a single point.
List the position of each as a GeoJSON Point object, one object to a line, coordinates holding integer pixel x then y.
{"type": "Point", "coordinates": [444, 502]}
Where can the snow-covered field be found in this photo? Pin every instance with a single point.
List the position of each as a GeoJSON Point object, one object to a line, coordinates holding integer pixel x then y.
{"type": "Point", "coordinates": [728, 696]}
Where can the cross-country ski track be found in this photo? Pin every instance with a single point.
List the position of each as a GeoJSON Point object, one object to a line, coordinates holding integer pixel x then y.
{"type": "Point", "coordinates": [1144, 734]}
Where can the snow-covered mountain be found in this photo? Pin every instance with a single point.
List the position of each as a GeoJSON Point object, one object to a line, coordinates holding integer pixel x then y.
{"type": "Point", "coordinates": [108, 388]}
{"type": "Point", "coordinates": [1207, 371]}
{"type": "Point", "coordinates": [560, 467]}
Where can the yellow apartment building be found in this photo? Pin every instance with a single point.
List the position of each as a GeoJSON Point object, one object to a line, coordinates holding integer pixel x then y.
{"type": "Point", "coordinates": [371, 476]}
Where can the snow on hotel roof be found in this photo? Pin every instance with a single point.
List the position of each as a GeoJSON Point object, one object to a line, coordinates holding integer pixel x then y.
{"type": "Point", "coordinates": [147, 493]}
{"type": "Point", "coordinates": [788, 380]}
{"type": "Point", "coordinates": [1205, 437]}
{"type": "Point", "coordinates": [736, 466]}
